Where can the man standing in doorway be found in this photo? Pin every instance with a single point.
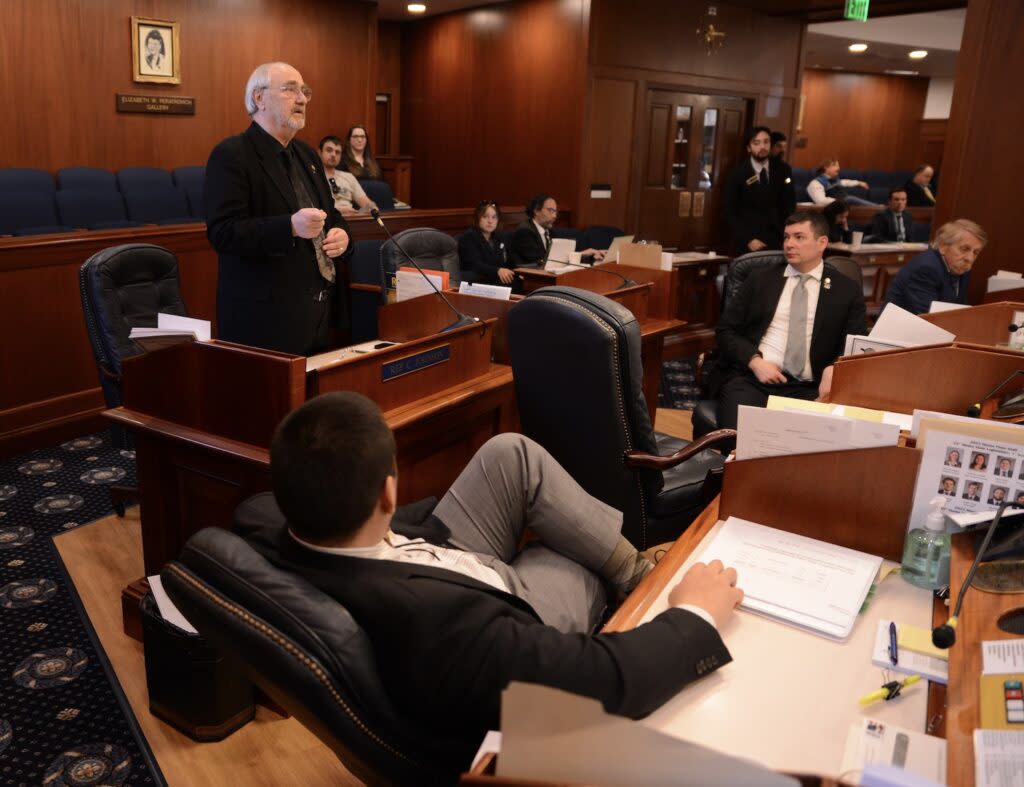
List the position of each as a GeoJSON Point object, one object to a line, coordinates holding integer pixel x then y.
{"type": "Point", "coordinates": [758, 196]}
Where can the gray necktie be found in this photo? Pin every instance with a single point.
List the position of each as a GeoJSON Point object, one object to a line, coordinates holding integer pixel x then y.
{"type": "Point", "coordinates": [796, 342]}
{"type": "Point", "coordinates": [901, 234]}
{"type": "Point", "coordinates": [547, 244]}
{"type": "Point", "coordinates": [325, 263]}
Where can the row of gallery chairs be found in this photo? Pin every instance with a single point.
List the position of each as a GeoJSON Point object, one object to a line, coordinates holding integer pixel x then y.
{"type": "Point", "coordinates": [33, 202]}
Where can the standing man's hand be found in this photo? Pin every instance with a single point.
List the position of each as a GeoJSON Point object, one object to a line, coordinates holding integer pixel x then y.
{"type": "Point", "coordinates": [757, 245]}
{"type": "Point", "coordinates": [335, 242]}
{"type": "Point", "coordinates": [308, 222]}
{"type": "Point", "coordinates": [765, 371]}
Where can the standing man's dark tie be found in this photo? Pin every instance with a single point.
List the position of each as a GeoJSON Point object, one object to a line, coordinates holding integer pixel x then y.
{"type": "Point", "coordinates": [547, 245]}
{"type": "Point", "coordinates": [763, 177]}
{"type": "Point", "coordinates": [325, 263]}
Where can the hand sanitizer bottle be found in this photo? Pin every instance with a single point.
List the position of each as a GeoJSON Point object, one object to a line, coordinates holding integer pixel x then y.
{"type": "Point", "coordinates": [926, 552]}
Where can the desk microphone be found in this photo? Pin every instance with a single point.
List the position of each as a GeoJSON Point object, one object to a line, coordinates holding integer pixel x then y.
{"type": "Point", "coordinates": [625, 282]}
{"type": "Point", "coordinates": [1014, 328]}
{"type": "Point", "coordinates": [945, 635]}
{"type": "Point", "coordinates": [975, 409]}
{"type": "Point", "coordinates": [463, 319]}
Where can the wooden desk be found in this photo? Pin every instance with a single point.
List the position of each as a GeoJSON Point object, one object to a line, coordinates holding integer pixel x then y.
{"type": "Point", "coordinates": [1016, 294]}
{"type": "Point", "coordinates": [878, 262]}
{"type": "Point", "coordinates": [986, 324]}
{"type": "Point", "coordinates": [202, 416]}
{"type": "Point", "coordinates": [56, 393]}
{"type": "Point", "coordinates": [947, 378]}
{"type": "Point", "coordinates": [399, 321]}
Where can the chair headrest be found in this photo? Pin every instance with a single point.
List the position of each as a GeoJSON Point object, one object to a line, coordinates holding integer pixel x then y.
{"type": "Point", "coordinates": [742, 266]}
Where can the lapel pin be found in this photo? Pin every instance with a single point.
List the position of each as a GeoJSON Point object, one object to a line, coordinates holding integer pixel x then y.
{"type": "Point", "coordinates": [828, 283]}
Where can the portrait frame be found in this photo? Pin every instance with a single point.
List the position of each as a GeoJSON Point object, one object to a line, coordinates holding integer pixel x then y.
{"type": "Point", "coordinates": [164, 65]}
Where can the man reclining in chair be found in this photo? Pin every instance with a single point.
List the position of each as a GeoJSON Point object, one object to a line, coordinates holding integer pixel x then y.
{"type": "Point", "coordinates": [452, 606]}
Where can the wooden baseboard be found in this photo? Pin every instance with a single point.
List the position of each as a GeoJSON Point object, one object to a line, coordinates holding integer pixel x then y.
{"type": "Point", "coordinates": [49, 421]}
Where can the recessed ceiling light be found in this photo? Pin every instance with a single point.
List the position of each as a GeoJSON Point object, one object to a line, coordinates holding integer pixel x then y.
{"type": "Point", "coordinates": [918, 54]}
{"type": "Point", "coordinates": [416, 8]}
{"type": "Point", "coordinates": [900, 73]}
{"type": "Point", "coordinates": [858, 47]}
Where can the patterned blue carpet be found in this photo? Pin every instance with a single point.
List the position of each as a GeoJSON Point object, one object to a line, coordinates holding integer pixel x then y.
{"type": "Point", "coordinates": [63, 717]}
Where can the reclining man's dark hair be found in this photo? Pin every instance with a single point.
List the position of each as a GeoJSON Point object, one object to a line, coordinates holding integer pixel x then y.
{"type": "Point", "coordinates": [328, 462]}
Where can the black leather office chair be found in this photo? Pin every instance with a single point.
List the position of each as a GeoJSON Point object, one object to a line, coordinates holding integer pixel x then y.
{"type": "Point", "coordinates": [305, 651]}
{"type": "Point", "coordinates": [705, 417]}
{"type": "Point", "coordinates": [431, 248]}
{"type": "Point", "coordinates": [848, 267]}
{"type": "Point", "coordinates": [124, 287]}
{"type": "Point", "coordinates": [579, 384]}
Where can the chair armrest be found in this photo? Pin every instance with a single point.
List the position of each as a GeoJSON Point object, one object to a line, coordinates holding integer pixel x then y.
{"type": "Point", "coordinates": [653, 462]}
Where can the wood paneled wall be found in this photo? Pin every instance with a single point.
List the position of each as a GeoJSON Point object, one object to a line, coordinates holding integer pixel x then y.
{"type": "Point", "coordinates": [389, 78]}
{"type": "Point", "coordinates": [982, 143]}
{"type": "Point", "coordinates": [492, 102]}
{"type": "Point", "coordinates": [64, 60]}
{"type": "Point", "coordinates": [867, 121]}
{"type": "Point", "coordinates": [631, 53]}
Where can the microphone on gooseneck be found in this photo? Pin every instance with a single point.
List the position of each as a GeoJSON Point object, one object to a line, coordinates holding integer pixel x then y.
{"type": "Point", "coordinates": [463, 319]}
{"type": "Point", "coordinates": [945, 635]}
{"type": "Point", "coordinates": [625, 282]}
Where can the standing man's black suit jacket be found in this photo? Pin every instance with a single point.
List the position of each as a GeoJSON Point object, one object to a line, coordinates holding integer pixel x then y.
{"type": "Point", "coordinates": [267, 278]}
{"type": "Point", "coordinates": [883, 226]}
{"type": "Point", "coordinates": [446, 645]}
{"type": "Point", "coordinates": [750, 311]}
{"type": "Point", "coordinates": [756, 211]}
{"type": "Point", "coordinates": [527, 247]}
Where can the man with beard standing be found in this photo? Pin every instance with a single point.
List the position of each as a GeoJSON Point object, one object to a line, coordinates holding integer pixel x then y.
{"type": "Point", "coordinates": [272, 220]}
{"type": "Point", "coordinates": [759, 196]}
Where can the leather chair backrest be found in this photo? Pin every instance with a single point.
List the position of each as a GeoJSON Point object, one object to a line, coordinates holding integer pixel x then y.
{"type": "Point", "coordinates": [22, 212]}
{"type": "Point", "coordinates": [89, 207]}
{"type": "Point", "coordinates": [430, 248]}
{"type": "Point", "coordinates": [599, 236]}
{"type": "Point", "coordinates": [380, 192]}
{"type": "Point", "coordinates": [125, 287]}
{"type": "Point", "coordinates": [92, 178]}
{"type": "Point", "coordinates": [306, 652]}
{"type": "Point", "coordinates": [365, 268]}
{"type": "Point", "coordinates": [26, 180]}
{"type": "Point", "coordinates": [579, 384]}
{"type": "Point", "coordinates": [847, 267]}
{"type": "Point", "coordinates": [742, 266]}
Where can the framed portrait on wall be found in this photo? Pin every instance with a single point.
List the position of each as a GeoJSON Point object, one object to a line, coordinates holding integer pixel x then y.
{"type": "Point", "coordinates": [156, 53]}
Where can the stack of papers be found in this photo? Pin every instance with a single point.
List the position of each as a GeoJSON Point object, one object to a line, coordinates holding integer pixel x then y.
{"type": "Point", "coordinates": [764, 432]}
{"type": "Point", "coordinates": [410, 283]}
{"type": "Point", "coordinates": [908, 662]}
{"type": "Point", "coordinates": [808, 583]}
{"type": "Point", "coordinates": [897, 328]}
{"type": "Point", "coordinates": [998, 758]}
{"type": "Point", "coordinates": [171, 329]}
{"type": "Point", "coordinates": [890, 755]}
{"type": "Point", "coordinates": [1005, 280]}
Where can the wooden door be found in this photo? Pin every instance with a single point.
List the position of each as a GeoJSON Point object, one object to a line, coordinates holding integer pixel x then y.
{"type": "Point", "coordinates": [691, 142]}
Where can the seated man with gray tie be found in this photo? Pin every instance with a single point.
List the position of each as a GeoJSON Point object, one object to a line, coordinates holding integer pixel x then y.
{"type": "Point", "coordinates": [786, 324]}
{"type": "Point", "coordinates": [892, 224]}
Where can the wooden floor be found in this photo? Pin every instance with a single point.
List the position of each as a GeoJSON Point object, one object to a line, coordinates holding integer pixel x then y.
{"type": "Point", "coordinates": [104, 556]}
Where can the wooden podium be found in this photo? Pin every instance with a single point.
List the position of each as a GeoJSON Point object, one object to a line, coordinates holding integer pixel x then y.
{"type": "Point", "coordinates": [986, 324]}
{"type": "Point", "coordinates": [202, 416]}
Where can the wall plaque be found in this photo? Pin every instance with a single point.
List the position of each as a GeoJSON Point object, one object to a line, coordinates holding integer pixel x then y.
{"type": "Point", "coordinates": [157, 105]}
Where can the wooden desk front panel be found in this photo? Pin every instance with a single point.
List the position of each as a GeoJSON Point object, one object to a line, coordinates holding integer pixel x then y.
{"type": "Point", "coordinates": [1016, 294]}
{"type": "Point", "coordinates": [985, 324]}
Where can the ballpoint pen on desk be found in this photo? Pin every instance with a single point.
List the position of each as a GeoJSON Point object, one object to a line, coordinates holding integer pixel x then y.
{"type": "Point", "coordinates": [890, 690]}
{"type": "Point", "coordinates": [894, 654]}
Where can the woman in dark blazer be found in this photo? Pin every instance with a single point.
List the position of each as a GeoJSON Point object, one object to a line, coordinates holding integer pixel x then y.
{"type": "Point", "coordinates": [480, 250]}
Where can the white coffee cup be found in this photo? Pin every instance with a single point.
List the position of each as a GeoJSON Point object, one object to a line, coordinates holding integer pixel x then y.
{"type": "Point", "coordinates": [858, 238]}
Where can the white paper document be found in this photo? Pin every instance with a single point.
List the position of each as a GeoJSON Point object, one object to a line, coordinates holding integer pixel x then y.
{"type": "Point", "coordinates": [859, 345]}
{"type": "Point", "coordinates": [168, 610]}
{"type": "Point", "coordinates": [945, 306]}
{"type": "Point", "coordinates": [561, 248]}
{"type": "Point", "coordinates": [808, 583]}
{"type": "Point", "coordinates": [495, 291]}
{"type": "Point", "coordinates": [899, 325]}
{"type": "Point", "coordinates": [553, 736]}
{"type": "Point", "coordinates": [173, 322]}
{"type": "Point", "coordinates": [412, 284]}
{"type": "Point", "coordinates": [1002, 656]}
{"type": "Point", "coordinates": [762, 432]}
{"type": "Point", "coordinates": [907, 661]}
{"type": "Point", "coordinates": [873, 742]}
{"type": "Point", "coordinates": [998, 758]}
{"type": "Point", "coordinates": [1000, 283]}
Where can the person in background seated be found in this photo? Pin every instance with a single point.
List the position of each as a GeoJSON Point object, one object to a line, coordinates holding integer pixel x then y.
{"type": "Point", "coordinates": [345, 188]}
{"type": "Point", "coordinates": [780, 146]}
{"type": "Point", "coordinates": [827, 186]}
{"type": "Point", "coordinates": [759, 196]}
{"type": "Point", "coordinates": [837, 215]}
{"type": "Point", "coordinates": [892, 224]}
{"type": "Point", "coordinates": [786, 324]}
{"type": "Point", "coordinates": [481, 252]}
{"type": "Point", "coordinates": [453, 608]}
{"type": "Point", "coordinates": [531, 243]}
{"type": "Point", "coordinates": [941, 273]}
{"type": "Point", "coordinates": [918, 188]}
{"type": "Point", "coordinates": [358, 156]}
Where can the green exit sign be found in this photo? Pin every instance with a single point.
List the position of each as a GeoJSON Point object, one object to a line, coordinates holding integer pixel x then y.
{"type": "Point", "coordinates": [857, 10]}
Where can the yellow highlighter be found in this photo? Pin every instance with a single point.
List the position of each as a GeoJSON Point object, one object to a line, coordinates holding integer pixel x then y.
{"type": "Point", "coordinates": [890, 690]}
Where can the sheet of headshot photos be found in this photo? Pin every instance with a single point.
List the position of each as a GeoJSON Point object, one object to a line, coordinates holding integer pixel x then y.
{"type": "Point", "coordinates": [974, 472]}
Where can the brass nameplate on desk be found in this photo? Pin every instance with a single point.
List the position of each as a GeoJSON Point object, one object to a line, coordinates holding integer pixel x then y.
{"type": "Point", "coordinates": [415, 363]}
{"type": "Point", "coordinates": [156, 105]}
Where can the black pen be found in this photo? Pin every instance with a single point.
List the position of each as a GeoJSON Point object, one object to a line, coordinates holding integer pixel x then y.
{"type": "Point", "coordinates": [894, 655]}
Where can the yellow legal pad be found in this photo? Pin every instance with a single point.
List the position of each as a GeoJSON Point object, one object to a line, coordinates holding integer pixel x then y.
{"type": "Point", "coordinates": [918, 640]}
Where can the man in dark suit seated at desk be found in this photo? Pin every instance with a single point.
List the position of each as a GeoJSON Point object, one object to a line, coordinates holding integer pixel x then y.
{"type": "Point", "coordinates": [787, 323]}
{"type": "Point", "coordinates": [531, 242]}
{"type": "Point", "coordinates": [893, 224]}
{"type": "Point", "coordinates": [942, 272]}
{"type": "Point", "coordinates": [453, 608]}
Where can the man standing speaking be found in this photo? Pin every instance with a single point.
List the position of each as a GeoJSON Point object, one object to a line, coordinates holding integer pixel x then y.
{"type": "Point", "coordinates": [272, 220]}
